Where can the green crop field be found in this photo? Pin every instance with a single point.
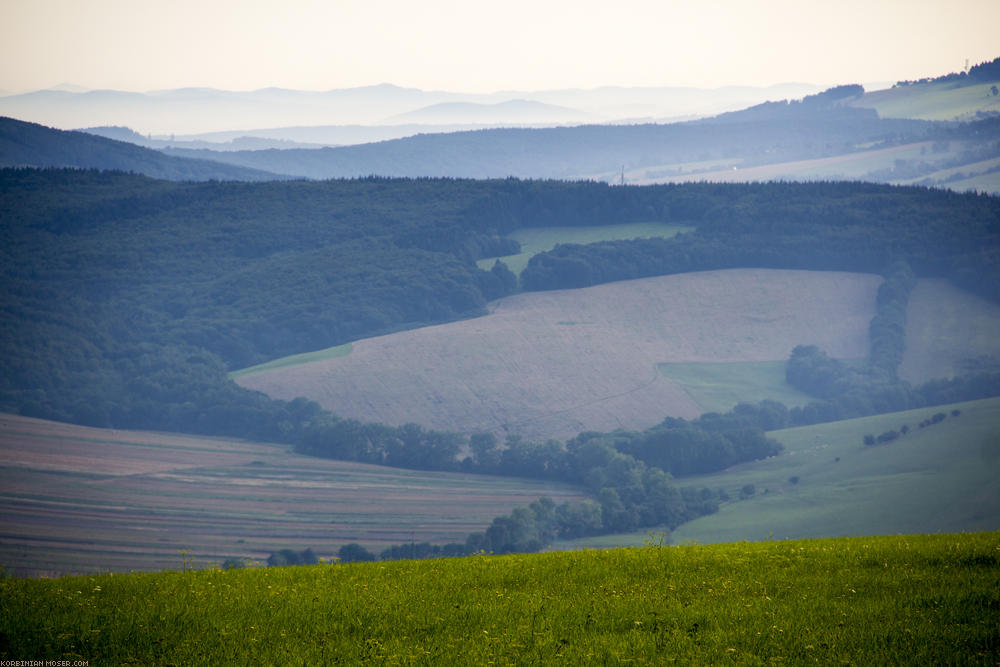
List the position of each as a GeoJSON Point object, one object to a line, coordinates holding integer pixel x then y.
{"type": "Point", "coordinates": [534, 240]}
{"type": "Point", "coordinates": [861, 601]}
{"type": "Point", "coordinates": [717, 387]}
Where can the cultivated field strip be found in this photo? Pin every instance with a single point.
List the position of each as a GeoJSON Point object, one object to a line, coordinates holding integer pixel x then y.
{"type": "Point", "coordinates": [77, 499]}
{"type": "Point", "coordinates": [553, 364]}
{"type": "Point", "coordinates": [949, 332]}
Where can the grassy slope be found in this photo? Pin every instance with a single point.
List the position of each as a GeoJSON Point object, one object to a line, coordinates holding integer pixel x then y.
{"type": "Point", "coordinates": [295, 360]}
{"type": "Point", "coordinates": [850, 166]}
{"type": "Point", "coordinates": [534, 240]}
{"type": "Point", "coordinates": [945, 477]}
{"type": "Point", "coordinates": [77, 499]}
{"type": "Point", "coordinates": [932, 101]}
{"type": "Point", "coordinates": [864, 601]}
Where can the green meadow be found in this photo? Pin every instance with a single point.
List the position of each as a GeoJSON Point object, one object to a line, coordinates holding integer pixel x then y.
{"type": "Point", "coordinates": [717, 387]}
{"type": "Point", "coordinates": [295, 360]}
{"type": "Point", "coordinates": [942, 100]}
{"type": "Point", "coordinates": [864, 601]}
{"type": "Point", "coordinates": [534, 240]}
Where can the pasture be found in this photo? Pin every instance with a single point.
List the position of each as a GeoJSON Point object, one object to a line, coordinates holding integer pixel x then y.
{"type": "Point", "coordinates": [295, 360]}
{"type": "Point", "coordinates": [552, 364]}
{"type": "Point", "coordinates": [717, 387]}
{"type": "Point", "coordinates": [827, 483]}
{"type": "Point", "coordinates": [932, 101]}
{"type": "Point", "coordinates": [78, 499]}
{"type": "Point", "coordinates": [863, 601]}
{"type": "Point", "coordinates": [534, 240]}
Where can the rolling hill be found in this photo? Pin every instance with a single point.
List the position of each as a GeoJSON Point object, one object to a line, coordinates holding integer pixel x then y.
{"type": "Point", "coordinates": [774, 132]}
{"type": "Point", "coordinates": [938, 478]}
{"type": "Point", "coordinates": [31, 145]}
{"type": "Point", "coordinates": [552, 364]}
{"type": "Point", "coordinates": [941, 478]}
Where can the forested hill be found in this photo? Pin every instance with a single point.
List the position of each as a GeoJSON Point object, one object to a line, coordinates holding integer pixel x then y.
{"type": "Point", "coordinates": [770, 133]}
{"type": "Point", "coordinates": [25, 144]}
{"type": "Point", "coordinates": [832, 226]}
{"type": "Point", "coordinates": [127, 299]}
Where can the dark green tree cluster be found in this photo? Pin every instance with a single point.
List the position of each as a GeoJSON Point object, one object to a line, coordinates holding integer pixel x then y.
{"type": "Point", "coordinates": [286, 557]}
{"type": "Point", "coordinates": [816, 226]}
{"type": "Point", "coordinates": [984, 72]}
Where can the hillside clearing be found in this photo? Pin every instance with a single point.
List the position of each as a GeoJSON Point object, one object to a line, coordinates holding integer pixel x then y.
{"type": "Point", "coordinates": [552, 364]}
{"type": "Point", "coordinates": [78, 499]}
{"type": "Point", "coordinates": [534, 240]}
{"type": "Point", "coordinates": [718, 387]}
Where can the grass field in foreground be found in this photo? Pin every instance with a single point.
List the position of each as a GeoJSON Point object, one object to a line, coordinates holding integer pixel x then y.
{"type": "Point", "coordinates": [863, 601]}
{"type": "Point", "coordinates": [534, 240]}
{"type": "Point", "coordinates": [717, 387]}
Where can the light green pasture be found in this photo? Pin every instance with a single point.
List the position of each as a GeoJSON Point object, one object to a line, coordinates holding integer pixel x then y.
{"type": "Point", "coordinates": [932, 101]}
{"type": "Point", "coordinates": [535, 240]}
{"type": "Point", "coordinates": [295, 360]}
{"type": "Point", "coordinates": [717, 387]}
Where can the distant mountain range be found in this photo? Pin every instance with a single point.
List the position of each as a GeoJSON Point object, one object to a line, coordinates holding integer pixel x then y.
{"type": "Point", "coordinates": [829, 135]}
{"type": "Point", "coordinates": [501, 113]}
{"type": "Point", "coordinates": [200, 110]}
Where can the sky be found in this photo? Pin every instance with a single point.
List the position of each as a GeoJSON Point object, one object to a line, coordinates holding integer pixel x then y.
{"type": "Point", "coordinates": [479, 47]}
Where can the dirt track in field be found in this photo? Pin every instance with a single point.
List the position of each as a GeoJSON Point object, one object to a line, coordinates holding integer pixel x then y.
{"type": "Point", "coordinates": [553, 364]}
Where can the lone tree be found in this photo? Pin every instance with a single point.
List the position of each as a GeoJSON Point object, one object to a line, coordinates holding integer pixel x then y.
{"type": "Point", "coordinates": [354, 553]}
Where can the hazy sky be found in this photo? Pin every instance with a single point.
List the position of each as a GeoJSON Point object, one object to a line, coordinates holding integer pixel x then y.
{"type": "Point", "coordinates": [473, 46]}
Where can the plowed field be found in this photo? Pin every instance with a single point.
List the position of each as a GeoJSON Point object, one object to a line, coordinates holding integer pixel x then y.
{"type": "Point", "coordinates": [552, 364]}
{"type": "Point", "coordinates": [76, 499]}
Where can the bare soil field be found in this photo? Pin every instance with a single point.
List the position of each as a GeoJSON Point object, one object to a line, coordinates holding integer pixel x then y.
{"type": "Point", "coordinates": [75, 500]}
{"type": "Point", "coordinates": [949, 332]}
{"type": "Point", "coordinates": [553, 364]}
